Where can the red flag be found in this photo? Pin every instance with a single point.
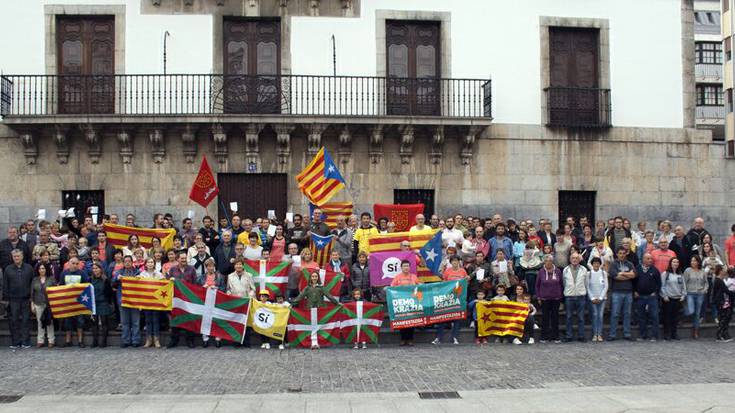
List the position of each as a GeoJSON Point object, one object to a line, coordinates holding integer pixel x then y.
{"type": "Point", "coordinates": [318, 326]}
{"type": "Point", "coordinates": [362, 322]}
{"type": "Point", "coordinates": [404, 215]}
{"type": "Point", "coordinates": [204, 188]}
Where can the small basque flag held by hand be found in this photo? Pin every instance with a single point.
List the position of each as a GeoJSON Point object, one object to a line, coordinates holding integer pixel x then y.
{"type": "Point", "coordinates": [432, 253]}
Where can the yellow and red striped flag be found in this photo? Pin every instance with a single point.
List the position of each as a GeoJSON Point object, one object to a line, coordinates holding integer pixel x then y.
{"type": "Point", "coordinates": [501, 318]}
{"type": "Point", "coordinates": [392, 242]}
{"type": "Point", "coordinates": [332, 210]}
{"type": "Point", "coordinates": [117, 236]}
{"type": "Point", "coordinates": [320, 180]}
{"type": "Point", "coordinates": [147, 293]}
{"type": "Point", "coordinates": [71, 300]}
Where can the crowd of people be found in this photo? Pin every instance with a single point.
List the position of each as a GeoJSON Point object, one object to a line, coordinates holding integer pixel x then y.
{"type": "Point", "coordinates": [639, 275]}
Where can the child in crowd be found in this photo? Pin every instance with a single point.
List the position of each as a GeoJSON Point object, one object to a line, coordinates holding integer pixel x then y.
{"type": "Point", "coordinates": [264, 296]}
{"type": "Point", "coordinates": [357, 296]}
{"type": "Point", "coordinates": [500, 296]}
{"type": "Point", "coordinates": [472, 308]}
{"type": "Point", "coordinates": [83, 249]}
{"type": "Point", "coordinates": [503, 270]}
{"type": "Point", "coordinates": [528, 325]}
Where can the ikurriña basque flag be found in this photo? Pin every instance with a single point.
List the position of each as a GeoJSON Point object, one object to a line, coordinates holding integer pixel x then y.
{"type": "Point", "coordinates": [321, 179]}
{"type": "Point", "coordinates": [71, 300]}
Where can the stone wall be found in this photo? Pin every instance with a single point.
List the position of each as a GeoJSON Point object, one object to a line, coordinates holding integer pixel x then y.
{"type": "Point", "coordinates": [517, 170]}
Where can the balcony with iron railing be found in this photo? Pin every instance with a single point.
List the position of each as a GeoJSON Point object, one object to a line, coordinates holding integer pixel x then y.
{"type": "Point", "coordinates": [576, 107]}
{"type": "Point", "coordinates": [708, 73]}
{"type": "Point", "coordinates": [23, 97]}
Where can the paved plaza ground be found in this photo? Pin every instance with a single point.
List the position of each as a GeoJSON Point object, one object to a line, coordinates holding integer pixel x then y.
{"type": "Point", "coordinates": [304, 379]}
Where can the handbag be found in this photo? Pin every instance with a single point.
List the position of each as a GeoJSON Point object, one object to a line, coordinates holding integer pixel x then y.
{"type": "Point", "coordinates": [46, 317]}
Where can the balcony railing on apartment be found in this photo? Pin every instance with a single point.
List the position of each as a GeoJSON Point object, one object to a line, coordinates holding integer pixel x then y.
{"type": "Point", "coordinates": [210, 94]}
{"type": "Point", "coordinates": [711, 113]}
{"type": "Point", "coordinates": [575, 107]}
{"type": "Point", "coordinates": [707, 72]}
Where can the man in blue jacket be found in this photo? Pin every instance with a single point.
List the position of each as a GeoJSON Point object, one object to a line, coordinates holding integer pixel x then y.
{"type": "Point", "coordinates": [646, 287]}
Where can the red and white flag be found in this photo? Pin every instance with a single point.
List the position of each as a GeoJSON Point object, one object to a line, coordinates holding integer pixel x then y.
{"type": "Point", "coordinates": [205, 187]}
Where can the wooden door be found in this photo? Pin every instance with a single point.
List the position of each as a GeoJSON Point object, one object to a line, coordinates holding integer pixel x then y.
{"type": "Point", "coordinates": [252, 50]}
{"type": "Point", "coordinates": [574, 74]}
{"type": "Point", "coordinates": [86, 63]}
{"type": "Point", "coordinates": [413, 56]}
{"type": "Point", "coordinates": [255, 194]}
{"type": "Point", "coordinates": [577, 204]}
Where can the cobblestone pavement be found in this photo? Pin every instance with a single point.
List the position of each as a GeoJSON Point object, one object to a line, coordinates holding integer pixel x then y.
{"type": "Point", "coordinates": [390, 369]}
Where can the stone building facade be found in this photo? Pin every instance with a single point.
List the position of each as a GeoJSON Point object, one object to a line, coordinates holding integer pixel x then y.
{"type": "Point", "coordinates": [565, 163]}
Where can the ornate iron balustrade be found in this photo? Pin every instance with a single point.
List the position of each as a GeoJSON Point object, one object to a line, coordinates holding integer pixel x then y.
{"type": "Point", "coordinates": [212, 94]}
{"type": "Point", "coordinates": [573, 107]}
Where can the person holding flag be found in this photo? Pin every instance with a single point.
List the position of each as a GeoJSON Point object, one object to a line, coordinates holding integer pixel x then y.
{"type": "Point", "coordinates": [314, 293]}
{"type": "Point", "coordinates": [406, 278]}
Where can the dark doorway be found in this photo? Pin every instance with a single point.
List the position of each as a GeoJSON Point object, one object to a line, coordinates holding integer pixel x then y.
{"type": "Point", "coordinates": [255, 194]}
{"type": "Point", "coordinates": [413, 61]}
{"type": "Point", "coordinates": [85, 51]}
{"type": "Point", "coordinates": [252, 50]}
{"type": "Point", "coordinates": [574, 74]}
{"type": "Point", "coordinates": [416, 196]}
{"type": "Point", "coordinates": [82, 201]}
{"type": "Point", "coordinates": [577, 204]}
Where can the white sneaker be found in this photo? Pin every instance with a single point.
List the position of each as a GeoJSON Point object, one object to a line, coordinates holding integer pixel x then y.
{"type": "Point", "coordinates": [356, 346]}
{"type": "Point", "coordinates": [531, 341]}
{"type": "Point", "coordinates": [455, 341]}
{"type": "Point", "coordinates": [364, 344]}
{"type": "Point", "coordinates": [267, 346]}
{"type": "Point", "coordinates": [472, 324]}
{"type": "Point", "coordinates": [436, 342]}
{"type": "Point", "coordinates": [315, 347]}
{"type": "Point", "coordinates": [281, 347]}
{"type": "Point", "coordinates": [516, 341]}
{"type": "Point", "coordinates": [536, 327]}
{"type": "Point", "coordinates": [262, 345]}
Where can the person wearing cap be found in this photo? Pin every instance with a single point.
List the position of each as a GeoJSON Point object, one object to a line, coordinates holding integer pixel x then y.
{"type": "Point", "coordinates": [264, 296]}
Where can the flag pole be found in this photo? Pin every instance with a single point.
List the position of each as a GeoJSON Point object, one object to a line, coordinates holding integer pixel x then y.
{"type": "Point", "coordinates": [222, 204]}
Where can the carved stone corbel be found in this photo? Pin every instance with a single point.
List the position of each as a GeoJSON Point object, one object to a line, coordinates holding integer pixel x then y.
{"type": "Point", "coordinates": [29, 140]}
{"type": "Point", "coordinates": [314, 139]}
{"type": "Point", "coordinates": [376, 144]}
{"type": "Point", "coordinates": [437, 145]}
{"type": "Point", "coordinates": [158, 144]}
{"type": "Point", "coordinates": [283, 142]}
{"type": "Point", "coordinates": [407, 139]}
{"type": "Point", "coordinates": [345, 145]}
{"type": "Point", "coordinates": [314, 7]}
{"type": "Point", "coordinates": [283, 4]}
{"type": "Point", "coordinates": [188, 2]}
{"type": "Point", "coordinates": [219, 136]}
{"type": "Point", "coordinates": [468, 144]}
{"type": "Point", "coordinates": [125, 140]}
{"type": "Point", "coordinates": [189, 140]}
{"type": "Point", "coordinates": [220, 3]}
{"type": "Point", "coordinates": [156, 3]}
{"type": "Point", "coordinates": [252, 134]}
{"type": "Point", "coordinates": [61, 139]}
{"type": "Point", "coordinates": [94, 145]}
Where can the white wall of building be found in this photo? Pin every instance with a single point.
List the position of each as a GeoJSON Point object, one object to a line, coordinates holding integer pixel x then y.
{"type": "Point", "coordinates": [498, 39]}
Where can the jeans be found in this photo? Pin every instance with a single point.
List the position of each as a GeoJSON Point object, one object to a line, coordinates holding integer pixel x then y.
{"type": "Point", "coordinates": [647, 306]}
{"type": "Point", "coordinates": [152, 323]}
{"type": "Point", "coordinates": [621, 302]}
{"type": "Point", "coordinates": [694, 307]}
{"type": "Point", "coordinates": [455, 329]}
{"type": "Point", "coordinates": [20, 317]}
{"type": "Point", "coordinates": [44, 332]}
{"type": "Point", "coordinates": [572, 304]}
{"type": "Point", "coordinates": [550, 319]}
{"type": "Point", "coordinates": [130, 319]}
{"type": "Point", "coordinates": [596, 313]}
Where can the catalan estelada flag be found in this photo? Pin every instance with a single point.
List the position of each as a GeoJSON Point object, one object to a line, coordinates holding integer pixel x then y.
{"type": "Point", "coordinates": [392, 242]}
{"type": "Point", "coordinates": [320, 180]}
{"type": "Point", "coordinates": [147, 293]}
{"type": "Point", "coordinates": [332, 210]}
{"type": "Point", "coordinates": [71, 300]}
{"type": "Point", "coordinates": [117, 235]}
{"type": "Point", "coordinates": [501, 318]}
{"type": "Point", "coordinates": [321, 248]}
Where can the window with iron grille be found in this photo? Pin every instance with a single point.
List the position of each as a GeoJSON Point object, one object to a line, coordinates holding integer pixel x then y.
{"type": "Point", "coordinates": [710, 95]}
{"type": "Point", "coordinates": [709, 52]}
{"type": "Point", "coordinates": [82, 201]}
{"type": "Point", "coordinates": [416, 196]}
